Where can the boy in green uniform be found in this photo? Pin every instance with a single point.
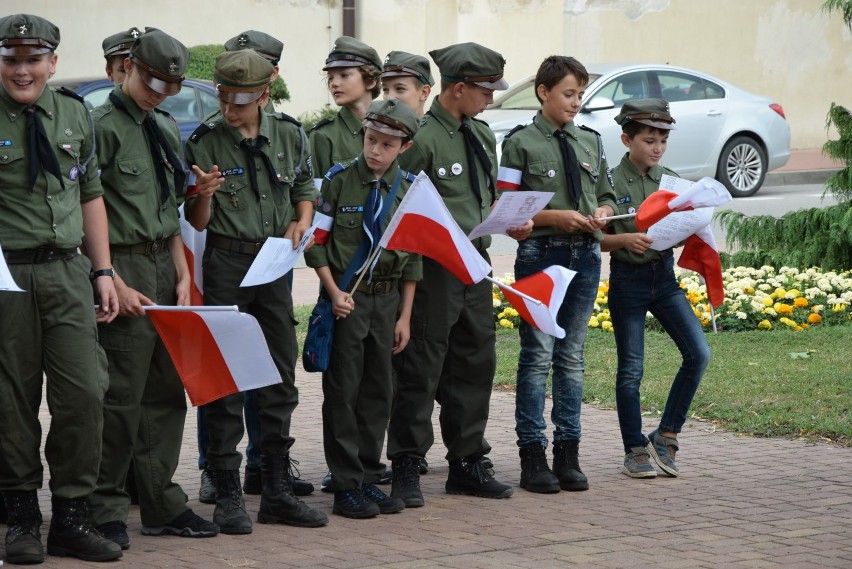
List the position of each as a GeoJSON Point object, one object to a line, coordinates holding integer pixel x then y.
{"type": "Point", "coordinates": [642, 280]}
{"type": "Point", "coordinates": [51, 203]}
{"type": "Point", "coordinates": [116, 48]}
{"type": "Point", "coordinates": [251, 184]}
{"type": "Point", "coordinates": [373, 320]}
{"type": "Point", "coordinates": [452, 350]}
{"type": "Point", "coordinates": [353, 69]}
{"type": "Point", "coordinates": [407, 77]}
{"type": "Point", "coordinates": [552, 154]}
{"type": "Point", "coordinates": [139, 154]}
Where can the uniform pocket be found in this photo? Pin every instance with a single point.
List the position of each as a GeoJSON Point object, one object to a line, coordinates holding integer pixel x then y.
{"type": "Point", "coordinates": [69, 159]}
{"type": "Point", "coordinates": [136, 176]}
{"type": "Point", "coordinates": [546, 175]}
{"type": "Point", "coordinates": [233, 194]}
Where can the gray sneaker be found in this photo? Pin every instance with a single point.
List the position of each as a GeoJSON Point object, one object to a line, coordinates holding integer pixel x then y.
{"type": "Point", "coordinates": [637, 464]}
{"type": "Point", "coordinates": [663, 450]}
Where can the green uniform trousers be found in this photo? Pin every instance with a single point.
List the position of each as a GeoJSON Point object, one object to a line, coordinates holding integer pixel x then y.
{"type": "Point", "coordinates": [272, 305]}
{"type": "Point", "coordinates": [145, 405]}
{"type": "Point", "coordinates": [50, 329]}
{"type": "Point", "coordinates": [451, 358]}
{"type": "Point", "coordinates": [357, 391]}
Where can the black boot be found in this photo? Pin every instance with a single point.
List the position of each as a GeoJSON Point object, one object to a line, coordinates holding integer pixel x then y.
{"type": "Point", "coordinates": [566, 466]}
{"type": "Point", "coordinates": [278, 504]}
{"type": "Point", "coordinates": [71, 534]}
{"type": "Point", "coordinates": [536, 475]}
{"type": "Point", "coordinates": [207, 488]}
{"type": "Point", "coordinates": [230, 513]}
{"type": "Point", "coordinates": [3, 511]}
{"type": "Point", "coordinates": [406, 481]}
{"type": "Point", "coordinates": [23, 538]}
{"type": "Point", "coordinates": [468, 476]}
{"type": "Point", "coordinates": [251, 481]}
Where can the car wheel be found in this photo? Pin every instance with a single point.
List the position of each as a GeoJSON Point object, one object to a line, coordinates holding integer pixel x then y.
{"type": "Point", "coordinates": [742, 166]}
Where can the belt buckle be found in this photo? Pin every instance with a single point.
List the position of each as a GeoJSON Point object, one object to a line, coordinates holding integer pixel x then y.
{"type": "Point", "coordinates": [381, 287]}
{"type": "Point", "coordinates": [42, 255]}
{"type": "Point", "coordinates": [153, 247]}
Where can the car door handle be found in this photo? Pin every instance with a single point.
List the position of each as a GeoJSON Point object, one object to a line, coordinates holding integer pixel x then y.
{"type": "Point", "coordinates": [713, 113]}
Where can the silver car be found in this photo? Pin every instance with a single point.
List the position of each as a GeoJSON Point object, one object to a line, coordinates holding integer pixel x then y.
{"type": "Point", "coordinates": [722, 131]}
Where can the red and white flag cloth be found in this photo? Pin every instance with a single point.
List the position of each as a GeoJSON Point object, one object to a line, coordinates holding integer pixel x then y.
{"type": "Point", "coordinates": [324, 224]}
{"type": "Point", "coordinates": [423, 224]}
{"type": "Point", "coordinates": [508, 178]}
{"type": "Point", "coordinates": [706, 192]}
{"type": "Point", "coordinates": [193, 247]}
{"type": "Point", "coordinates": [549, 287]}
{"type": "Point", "coordinates": [216, 350]}
{"type": "Point", "coordinates": [700, 254]}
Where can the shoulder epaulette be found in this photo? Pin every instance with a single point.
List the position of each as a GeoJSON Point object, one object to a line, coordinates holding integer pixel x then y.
{"type": "Point", "coordinates": [69, 93]}
{"type": "Point", "coordinates": [584, 127]}
{"type": "Point", "coordinates": [337, 169]}
{"type": "Point", "coordinates": [322, 123]}
{"type": "Point", "coordinates": [165, 113]}
{"type": "Point", "coordinates": [480, 121]}
{"type": "Point", "coordinates": [286, 117]}
{"type": "Point", "coordinates": [201, 130]}
{"type": "Point", "coordinates": [513, 131]}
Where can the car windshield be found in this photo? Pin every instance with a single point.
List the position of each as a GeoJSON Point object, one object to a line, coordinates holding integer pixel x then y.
{"type": "Point", "coordinates": [523, 97]}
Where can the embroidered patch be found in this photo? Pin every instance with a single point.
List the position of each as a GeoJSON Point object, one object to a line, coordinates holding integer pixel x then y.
{"type": "Point", "coordinates": [5, 143]}
{"type": "Point", "coordinates": [233, 172]}
{"type": "Point", "coordinates": [351, 209]}
{"type": "Point", "coordinates": [74, 173]}
{"type": "Point", "coordinates": [625, 199]}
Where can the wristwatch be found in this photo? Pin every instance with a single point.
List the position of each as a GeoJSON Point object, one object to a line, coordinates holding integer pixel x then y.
{"type": "Point", "coordinates": [102, 273]}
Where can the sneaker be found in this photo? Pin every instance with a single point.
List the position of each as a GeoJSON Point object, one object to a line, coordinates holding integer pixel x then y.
{"type": "Point", "coordinates": [387, 504]}
{"type": "Point", "coordinates": [325, 485]}
{"type": "Point", "coordinates": [386, 477]}
{"type": "Point", "coordinates": [207, 490]}
{"type": "Point", "coordinates": [116, 532]}
{"type": "Point", "coordinates": [637, 464]}
{"type": "Point", "coordinates": [663, 449]}
{"type": "Point", "coordinates": [353, 504]}
{"type": "Point", "coordinates": [188, 524]}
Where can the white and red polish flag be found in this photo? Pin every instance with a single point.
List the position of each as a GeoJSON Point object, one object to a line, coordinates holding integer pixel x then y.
{"type": "Point", "coordinates": [700, 254]}
{"type": "Point", "coordinates": [193, 247]}
{"type": "Point", "coordinates": [324, 224]}
{"type": "Point", "coordinates": [423, 224]}
{"type": "Point", "coordinates": [216, 350]}
{"type": "Point", "coordinates": [706, 192]}
{"type": "Point", "coordinates": [508, 178]}
{"type": "Point", "coordinates": [549, 287]}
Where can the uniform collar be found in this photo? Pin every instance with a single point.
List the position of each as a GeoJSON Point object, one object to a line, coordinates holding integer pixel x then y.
{"type": "Point", "coordinates": [135, 112]}
{"type": "Point", "coordinates": [445, 119]}
{"type": "Point", "coordinates": [547, 128]}
{"type": "Point", "coordinates": [262, 131]}
{"type": "Point", "coordinates": [655, 173]}
{"type": "Point", "coordinates": [366, 175]}
{"type": "Point", "coordinates": [14, 110]}
{"type": "Point", "coordinates": [349, 119]}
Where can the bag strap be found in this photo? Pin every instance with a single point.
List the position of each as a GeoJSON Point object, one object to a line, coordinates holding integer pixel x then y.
{"type": "Point", "coordinates": [365, 245]}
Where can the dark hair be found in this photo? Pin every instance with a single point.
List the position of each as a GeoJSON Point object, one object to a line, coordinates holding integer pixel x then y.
{"type": "Point", "coordinates": [633, 128]}
{"type": "Point", "coordinates": [369, 74]}
{"type": "Point", "coordinates": [555, 68]}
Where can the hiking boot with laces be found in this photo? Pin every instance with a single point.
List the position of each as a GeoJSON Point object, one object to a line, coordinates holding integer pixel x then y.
{"type": "Point", "coordinates": [230, 513]}
{"type": "Point", "coordinates": [353, 504]}
{"type": "Point", "coordinates": [207, 489]}
{"type": "Point", "coordinates": [663, 450]}
{"type": "Point", "coordinates": [188, 524]}
{"type": "Point", "coordinates": [468, 476]}
{"type": "Point", "coordinates": [405, 483]}
{"type": "Point", "coordinates": [300, 487]}
{"type": "Point", "coordinates": [278, 504]}
{"type": "Point", "coordinates": [387, 504]}
{"type": "Point", "coordinates": [23, 518]}
{"type": "Point", "coordinates": [116, 532]}
{"type": "Point", "coordinates": [637, 464]}
{"type": "Point", "coordinates": [71, 534]}
{"type": "Point", "coordinates": [536, 475]}
{"type": "Point", "coordinates": [566, 466]}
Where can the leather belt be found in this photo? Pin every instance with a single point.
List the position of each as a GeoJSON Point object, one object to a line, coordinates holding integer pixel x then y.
{"type": "Point", "coordinates": [38, 256]}
{"type": "Point", "coordinates": [234, 245]}
{"type": "Point", "coordinates": [147, 248]}
{"type": "Point", "coordinates": [377, 287]}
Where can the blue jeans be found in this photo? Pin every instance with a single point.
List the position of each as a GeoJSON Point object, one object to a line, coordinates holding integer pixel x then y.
{"type": "Point", "coordinates": [251, 412]}
{"type": "Point", "coordinates": [540, 352]}
{"type": "Point", "coordinates": [635, 290]}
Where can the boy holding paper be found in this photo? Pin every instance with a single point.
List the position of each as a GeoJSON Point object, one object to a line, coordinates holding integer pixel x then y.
{"type": "Point", "coordinates": [642, 280]}
{"type": "Point", "coordinates": [553, 154]}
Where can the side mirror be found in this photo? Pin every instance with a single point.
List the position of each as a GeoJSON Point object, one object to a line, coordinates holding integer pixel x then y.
{"type": "Point", "coordinates": [597, 104]}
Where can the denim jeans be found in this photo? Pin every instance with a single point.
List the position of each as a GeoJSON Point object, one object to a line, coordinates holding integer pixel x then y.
{"type": "Point", "coordinates": [251, 412]}
{"type": "Point", "coordinates": [635, 290]}
{"type": "Point", "coordinates": [540, 352]}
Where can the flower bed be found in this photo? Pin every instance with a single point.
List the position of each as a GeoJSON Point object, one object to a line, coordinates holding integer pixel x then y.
{"type": "Point", "coordinates": [762, 299]}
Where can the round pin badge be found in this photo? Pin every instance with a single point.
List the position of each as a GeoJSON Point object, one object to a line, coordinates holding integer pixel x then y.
{"type": "Point", "coordinates": [551, 173]}
{"type": "Point", "coordinates": [326, 207]}
{"type": "Point", "coordinates": [442, 172]}
{"type": "Point", "coordinates": [631, 210]}
{"type": "Point", "coordinates": [457, 168]}
{"type": "Point", "coordinates": [73, 173]}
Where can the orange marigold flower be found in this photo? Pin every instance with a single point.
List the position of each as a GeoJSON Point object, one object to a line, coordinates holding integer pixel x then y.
{"type": "Point", "coordinates": [814, 318]}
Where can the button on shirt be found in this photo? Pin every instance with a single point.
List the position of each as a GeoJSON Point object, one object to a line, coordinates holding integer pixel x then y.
{"type": "Point", "coordinates": [49, 216]}
{"type": "Point", "coordinates": [534, 151]}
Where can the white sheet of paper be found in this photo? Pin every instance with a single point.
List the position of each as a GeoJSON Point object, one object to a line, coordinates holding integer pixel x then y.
{"type": "Point", "coordinates": [675, 184]}
{"type": "Point", "coordinates": [677, 226]}
{"type": "Point", "coordinates": [513, 209]}
{"type": "Point", "coordinates": [275, 259]}
{"type": "Point", "coordinates": [7, 283]}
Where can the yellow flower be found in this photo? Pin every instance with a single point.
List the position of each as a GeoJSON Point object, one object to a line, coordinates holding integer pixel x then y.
{"type": "Point", "coordinates": [800, 302]}
{"type": "Point", "coordinates": [767, 300]}
{"type": "Point", "coordinates": [603, 316]}
{"type": "Point", "coordinates": [789, 323]}
{"type": "Point", "coordinates": [814, 318]}
{"type": "Point", "coordinates": [838, 307]}
{"type": "Point", "coordinates": [783, 308]}
{"type": "Point", "coordinates": [764, 325]}
{"type": "Point", "coordinates": [779, 293]}
{"type": "Point", "coordinates": [512, 312]}
{"type": "Point", "coordinates": [506, 324]}
{"type": "Point", "coordinates": [607, 326]}
{"type": "Point", "coordinates": [593, 322]}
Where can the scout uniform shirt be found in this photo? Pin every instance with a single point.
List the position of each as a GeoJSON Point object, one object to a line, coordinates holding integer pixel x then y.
{"type": "Point", "coordinates": [135, 208]}
{"type": "Point", "coordinates": [534, 151]}
{"type": "Point", "coordinates": [335, 140]}
{"type": "Point", "coordinates": [439, 150]}
{"type": "Point", "coordinates": [49, 215]}
{"type": "Point", "coordinates": [343, 198]}
{"type": "Point", "coordinates": [632, 188]}
{"type": "Point", "coordinates": [239, 211]}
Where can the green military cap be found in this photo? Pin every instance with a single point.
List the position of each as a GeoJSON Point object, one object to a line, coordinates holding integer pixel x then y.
{"type": "Point", "coordinates": [471, 63]}
{"type": "Point", "coordinates": [652, 112]}
{"type": "Point", "coordinates": [402, 64]}
{"type": "Point", "coordinates": [27, 35]}
{"type": "Point", "coordinates": [120, 43]}
{"type": "Point", "coordinates": [392, 117]}
{"type": "Point", "coordinates": [264, 44]}
{"type": "Point", "coordinates": [349, 52]}
{"type": "Point", "coordinates": [161, 59]}
{"type": "Point", "coordinates": [242, 76]}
